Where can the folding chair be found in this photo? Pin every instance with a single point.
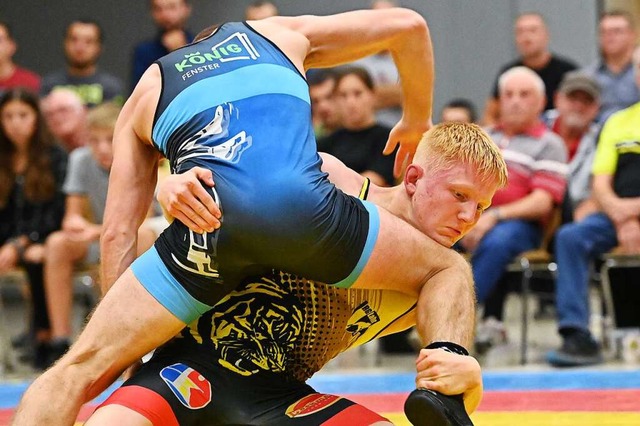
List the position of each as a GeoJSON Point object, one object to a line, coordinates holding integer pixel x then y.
{"type": "Point", "coordinates": [8, 359]}
{"type": "Point", "coordinates": [617, 320]}
{"type": "Point", "coordinates": [530, 263]}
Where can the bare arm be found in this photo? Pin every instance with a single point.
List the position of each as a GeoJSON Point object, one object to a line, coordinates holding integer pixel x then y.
{"type": "Point", "coordinates": [535, 206]}
{"type": "Point", "coordinates": [345, 37]}
{"type": "Point", "coordinates": [585, 208]}
{"type": "Point", "coordinates": [131, 184]}
{"type": "Point", "coordinates": [618, 209]}
{"type": "Point", "coordinates": [388, 95]}
{"type": "Point", "coordinates": [75, 207]}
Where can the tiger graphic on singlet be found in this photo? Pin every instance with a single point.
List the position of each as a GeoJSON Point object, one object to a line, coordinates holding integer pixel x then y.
{"type": "Point", "coordinates": [285, 324]}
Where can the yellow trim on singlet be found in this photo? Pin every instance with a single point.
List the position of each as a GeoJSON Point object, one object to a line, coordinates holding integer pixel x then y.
{"type": "Point", "coordinates": [364, 190]}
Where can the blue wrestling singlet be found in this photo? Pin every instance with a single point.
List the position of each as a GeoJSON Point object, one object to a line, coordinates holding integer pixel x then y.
{"type": "Point", "coordinates": [235, 104]}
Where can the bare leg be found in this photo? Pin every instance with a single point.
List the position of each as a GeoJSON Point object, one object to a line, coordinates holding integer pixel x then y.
{"type": "Point", "coordinates": [127, 324]}
{"type": "Point", "coordinates": [62, 254]}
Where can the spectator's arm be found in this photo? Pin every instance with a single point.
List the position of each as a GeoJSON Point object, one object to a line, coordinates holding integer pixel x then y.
{"type": "Point", "coordinates": [535, 206]}
{"type": "Point", "coordinates": [585, 208]}
{"type": "Point", "coordinates": [628, 234]}
{"type": "Point", "coordinates": [618, 209]}
{"type": "Point", "coordinates": [388, 95]}
{"type": "Point", "coordinates": [76, 209]}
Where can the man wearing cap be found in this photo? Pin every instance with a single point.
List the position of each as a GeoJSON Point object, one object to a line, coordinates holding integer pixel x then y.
{"type": "Point", "coordinates": [616, 190]}
{"type": "Point", "coordinates": [576, 106]}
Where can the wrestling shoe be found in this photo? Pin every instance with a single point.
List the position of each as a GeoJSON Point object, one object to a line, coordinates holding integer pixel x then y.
{"type": "Point", "coordinates": [425, 407]}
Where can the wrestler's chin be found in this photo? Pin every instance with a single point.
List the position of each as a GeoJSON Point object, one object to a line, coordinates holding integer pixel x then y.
{"type": "Point", "coordinates": [445, 240]}
{"type": "Point", "coordinates": [447, 237]}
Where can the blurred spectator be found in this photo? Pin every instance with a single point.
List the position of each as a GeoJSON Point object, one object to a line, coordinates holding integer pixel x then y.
{"type": "Point", "coordinates": [532, 41]}
{"type": "Point", "coordinates": [82, 47]}
{"type": "Point", "coordinates": [458, 110]}
{"type": "Point", "coordinates": [12, 75]}
{"type": "Point", "coordinates": [614, 71]}
{"type": "Point", "coordinates": [388, 93]}
{"type": "Point", "coordinates": [616, 188]}
{"type": "Point", "coordinates": [66, 117]}
{"type": "Point", "coordinates": [359, 143]}
{"type": "Point", "coordinates": [32, 168]}
{"type": "Point", "coordinates": [77, 242]}
{"type": "Point", "coordinates": [170, 17]}
{"type": "Point", "coordinates": [577, 105]}
{"type": "Point", "coordinates": [324, 112]}
{"type": "Point", "coordinates": [535, 159]}
{"type": "Point", "coordinates": [260, 10]}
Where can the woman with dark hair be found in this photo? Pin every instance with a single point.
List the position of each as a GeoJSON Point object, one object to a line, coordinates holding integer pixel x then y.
{"type": "Point", "coordinates": [361, 140]}
{"type": "Point", "coordinates": [32, 170]}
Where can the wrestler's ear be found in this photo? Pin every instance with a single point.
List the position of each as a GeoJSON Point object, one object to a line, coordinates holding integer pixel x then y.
{"type": "Point", "coordinates": [411, 178]}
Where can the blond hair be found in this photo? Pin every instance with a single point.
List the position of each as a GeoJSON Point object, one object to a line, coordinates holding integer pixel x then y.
{"type": "Point", "coordinates": [103, 116]}
{"type": "Point", "coordinates": [448, 144]}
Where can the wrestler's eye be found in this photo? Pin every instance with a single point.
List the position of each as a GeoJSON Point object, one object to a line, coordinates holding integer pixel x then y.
{"type": "Point", "coordinates": [459, 195]}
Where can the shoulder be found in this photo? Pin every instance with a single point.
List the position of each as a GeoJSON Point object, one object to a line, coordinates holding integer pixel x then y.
{"type": "Point", "coordinates": [57, 152]}
{"type": "Point", "coordinates": [27, 73]}
{"type": "Point", "coordinates": [139, 109]}
{"type": "Point", "coordinates": [509, 65]}
{"type": "Point", "coordinates": [80, 155]}
{"type": "Point", "coordinates": [563, 63]}
{"type": "Point", "coordinates": [145, 45]}
{"type": "Point", "coordinates": [553, 142]}
{"type": "Point", "coordinates": [108, 78]}
{"type": "Point", "coordinates": [287, 33]}
{"type": "Point", "coordinates": [52, 79]}
{"type": "Point", "coordinates": [623, 118]}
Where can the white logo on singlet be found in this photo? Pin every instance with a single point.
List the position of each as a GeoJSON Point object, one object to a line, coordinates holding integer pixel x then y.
{"type": "Point", "coordinates": [202, 251]}
{"type": "Point", "coordinates": [230, 150]}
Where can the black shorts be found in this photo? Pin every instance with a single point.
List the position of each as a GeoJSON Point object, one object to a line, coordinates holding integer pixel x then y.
{"type": "Point", "coordinates": [188, 388]}
{"type": "Point", "coordinates": [188, 273]}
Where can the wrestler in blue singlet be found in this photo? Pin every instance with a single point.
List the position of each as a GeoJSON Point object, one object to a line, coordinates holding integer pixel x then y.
{"type": "Point", "coordinates": [235, 104]}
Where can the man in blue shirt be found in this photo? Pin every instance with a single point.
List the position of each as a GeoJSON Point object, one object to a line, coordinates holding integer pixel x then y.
{"type": "Point", "coordinates": [170, 17]}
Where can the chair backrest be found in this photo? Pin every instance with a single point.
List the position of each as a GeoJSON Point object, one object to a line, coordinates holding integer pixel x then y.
{"type": "Point", "coordinates": [550, 227]}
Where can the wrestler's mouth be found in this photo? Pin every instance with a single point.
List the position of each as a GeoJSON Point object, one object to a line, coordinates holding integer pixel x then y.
{"type": "Point", "coordinates": [453, 232]}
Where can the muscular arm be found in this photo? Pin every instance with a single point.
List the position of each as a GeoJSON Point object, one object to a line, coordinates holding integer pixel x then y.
{"type": "Point", "coordinates": [388, 95]}
{"type": "Point", "coordinates": [131, 183]}
{"type": "Point", "coordinates": [349, 36]}
{"type": "Point", "coordinates": [340, 175]}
